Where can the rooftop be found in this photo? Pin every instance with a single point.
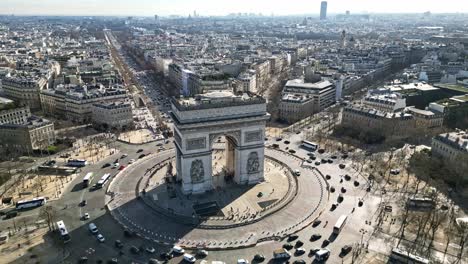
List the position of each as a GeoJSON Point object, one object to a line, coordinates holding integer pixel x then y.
{"type": "Point", "coordinates": [216, 99]}
{"type": "Point", "coordinates": [453, 87]}
{"type": "Point", "coordinates": [299, 83]}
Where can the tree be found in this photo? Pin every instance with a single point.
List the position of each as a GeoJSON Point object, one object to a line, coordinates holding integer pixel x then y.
{"type": "Point", "coordinates": [49, 214]}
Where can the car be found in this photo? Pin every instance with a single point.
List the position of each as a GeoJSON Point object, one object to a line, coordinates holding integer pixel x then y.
{"type": "Point", "coordinates": [313, 158]}
{"type": "Point", "coordinates": [315, 237]}
{"type": "Point", "coordinates": [313, 251]}
{"type": "Point", "coordinates": [153, 261]}
{"type": "Point", "coordinates": [122, 167]}
{"type": "Point", "coordinates": [333, 206]}
{"type": "Point", "coordinates": [129, 233]}
{"type": "Point", "coordinates": [115, 165]}
{"type": "Point", "coordinates": [347, 177]}
{"type": "Point", "coordinates": [242, 261]}
{"type": "Point", "coordinates": [150, 249]}
{"type": "Point", "coordinates": [178, 249]}
{"type": "Point", "coordinates": [395, 171]}
{"type": "Point", "coordinates": [316, 223]}
{"type": "Point", "coordinates": [317, 163]}
{"type": "Point", "coordinates": [309, 161]}
{"type": "Point", "coordinates": [300, 251]}
{"type": "Point", "coordinates": [325, 242]}
{"type": "Point", "coordinates": [322, 254]}
{"type": "Point", "coordinates": [356, 183]}
{"type": "Point", "coordinates": [343, 189]}
{"type": "Point", "coordinates": [340, 198]}
{"type": "Point", "coordinates": [140, 150]}
{"type": "Point", "coordinates": [342, 166]}
{"type": "Point", "coordinates": [299, 243]}
{"type": "Point", "coordinates": [86, 216]}
{"type": "Point", "coordinates": [124, 156]}
{"type": "Point", "coordinates": [189, 258]}
{"type": "Point", "coordinates": [106, 165]}
{"type": "Point", "coordinates": [328, 176]}
{"type": "Point", "coordinates": [275, 145]}
{"type": "Point", "coordinates": [83, 260]}
{"type": "Point", "coordinates": [83, 203]}
{"type": "Point", "coordinates": [259, 257]}
{"type": "Point", "coordinates": [332, 189]}
{"type": "Point", "coordinates": [323, 161]}
{"type": "Point", "coordinates": [299, 261]}
{"type": "Point", "coordinates": [288, 246]}
{"type": "Point", "coordinates": [321, 151]}
{"type": "Point", "coordinates": [334, 157]}
{"type": "Point", "coordinates": [330, 161]}
{"type": "Point", "coordinates": [344, 156]}
{"type": "Point", "coordinates": [292, 237]}
{"type": "Point", "coordinates": [311, 154]}
{"type": "Point", "coordinates": [202, 253]}
{"type": "Point", "coordinates": [134, 249]}
{"type": "Point", "coordinates": [100, 238]}
{"type": "Point", "coordinates": [292, 151]}
{"type": "Point", "coordinates": [286, 142]}
{"type": "Point", "coordinates": [166, 255]}
{"type": "Point", "coordinates": [279, 138]}
{"type": "Point", "coordinates": [141, 156]}
{"type": "Point", "coordinates": [297, 173]}
{"type": "Point", "coordinates": [346, 249]}
{"type": "Point", "coordinates": [118, 244]}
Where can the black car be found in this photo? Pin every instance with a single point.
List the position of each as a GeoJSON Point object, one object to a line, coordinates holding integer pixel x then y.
{"type": "Point", "coordinates": [346, 249]}
{"type": "Point", "coordinates": [279, 138]}
{"type": "Point", "coordinates": [299, 243]}
{"type": "Point", "coordinates": [327, 177]}
{"type": "Point", "coordinates": [106, 165]}
{"type": "Point", "coordinates": [299, 261]}
{"type": "Point", "coordinates": [292, 151]}
{"type": "Point", "coordinates": [316, 223]}
{"type": "Point", "coordinates": [118, 244]}
{"type": "Point", "coordinates": [259, 257]}
{"type": "Point", "coordinates": [330, 161]}
{"type": "Point", "coordinates": [324, 161]}
{"type": "Point", "coordinates": [166, 255]}
{"type": "Point", "coordinates": [292, 237]}
{"type": "Point", "coordinates": [343, 189]}
{"type": "Point", "coordinates": [141, 156]}
{"type": "Point", "coordinates": [134, 250]}
{"type": "Point", "coordinates": [83, 203]}
{"type": "Point", "coordinates": [325, 243]}
{"type": "Point", "coordinates": [342, 166]}
{"type": "Point", "coordinates": [334, 157]}
{"type": "Point", "coordinates": [317, 163]}
{"type": "Point", "coordinates": [140, 150]}
{"type": "Point", "coordinates": [347, 177]}
{"type": "Point", "coordinates": [128, 233]}
{"type": "Point", "coordinates": [286, 142]}
{"type": "Point", "coordinates": [321, 151]}
{"type": "Point", "coordinates": [288, 246]}
{"type": "Point", "coordinates": [315, 237]}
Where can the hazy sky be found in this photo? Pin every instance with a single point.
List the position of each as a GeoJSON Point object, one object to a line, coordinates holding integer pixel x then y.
{"type": "Point", "coordinates": [223, 7]}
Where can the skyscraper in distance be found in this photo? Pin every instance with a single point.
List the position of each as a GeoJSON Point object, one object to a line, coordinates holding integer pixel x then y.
{"type": "Point", "coordinates": [323, 10]}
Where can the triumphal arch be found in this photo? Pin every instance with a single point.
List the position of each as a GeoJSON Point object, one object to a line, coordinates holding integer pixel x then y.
{"type": "Point", "coordinates": [200, 120]}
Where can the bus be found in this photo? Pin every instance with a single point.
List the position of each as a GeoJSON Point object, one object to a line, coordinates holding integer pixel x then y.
{"type": "Point", "coordinates": [420, 202]}
{"type": "Point", "coordinates": [340, 224]}
{"type": "Point", "coordinates": [88, 178]}
{"type": "Point", "coordinates": [63, 231]}
{"type": "Point", "coordinates": [77, 162]}
{"type": "Point", "coordinates": [402, 256]}
{"type": "Point", "coordinates": [35, 202]}
{"type": "Point", "coordinates": [309, 145]}
{"type": "Point", "coordinates": [103, 180]}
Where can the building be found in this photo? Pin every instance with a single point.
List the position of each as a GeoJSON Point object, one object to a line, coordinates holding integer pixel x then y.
{"type": "Point", "coordinates": [300, 99]}
{"type": "Point", "coordinates": [116, 114]}
{"type": "Point", "coordinates": [24, 89]}
{"type": "Point", "coordinates": [75, 103]}
{"type": "Point", "coordinates": [451, 146]}
{"type": "Point", "coordinates": [426, 118]}
{"type": "Point", "coordinates": [17, 115]}
{"type": "Point", "coordinates": [385, 102]}
{"type": "Point", "coordinates": [323, 10]}
{"type": "Point", "coordinates": [372, 119]}
{"type": "Point", "coordinates": [37, 133]}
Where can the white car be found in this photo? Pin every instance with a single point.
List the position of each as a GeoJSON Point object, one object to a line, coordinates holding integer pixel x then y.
{"type": "Point", "coordinates": [131, 161]}
{"type": "Point", "coordinates": [115, 165]}
{"type": "Point", "coordinates": [124, 155]}
{"type": "Point", "coordinates": [178, 249]}
{"type": "Point", "coordinates": [150, 249]}
{"type": "Point", "coordinates": [242, 261]}
{"type": "Point", "coordinates": [86, 216]}
{"type": "Point", "coordinates": [100, 238]}
{"type": "Point", "coordinates": [189, 258]}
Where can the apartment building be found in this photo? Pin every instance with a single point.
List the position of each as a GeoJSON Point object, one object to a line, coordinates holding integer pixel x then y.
{"type": "Point", "coordinates": [117, 114]}
{"type": "Point", "coordinates": [450, 146]}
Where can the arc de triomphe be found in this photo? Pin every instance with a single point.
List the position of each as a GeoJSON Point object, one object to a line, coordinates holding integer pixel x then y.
{"type": "Point", "coordinates": [199, 121]}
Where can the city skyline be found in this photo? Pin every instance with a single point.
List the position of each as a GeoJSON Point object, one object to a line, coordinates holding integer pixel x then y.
{"type": "Point", "coordinates": [221, 8]}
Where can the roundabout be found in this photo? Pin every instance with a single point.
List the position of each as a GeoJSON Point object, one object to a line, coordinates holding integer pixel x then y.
{"type": "Point", "coordinates": [147, 199]}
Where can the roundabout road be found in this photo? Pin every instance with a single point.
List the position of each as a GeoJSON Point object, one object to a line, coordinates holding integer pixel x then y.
{"type": "Point", "coordinates": [134, 214]}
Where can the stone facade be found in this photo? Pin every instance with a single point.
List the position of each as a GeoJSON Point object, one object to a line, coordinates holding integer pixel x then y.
{"type": "Point", "coordinates": [197, 128]}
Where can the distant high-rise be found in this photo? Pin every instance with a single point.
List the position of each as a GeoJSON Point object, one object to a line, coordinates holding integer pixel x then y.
{"type": "Point", "coordinates": [323, 10]}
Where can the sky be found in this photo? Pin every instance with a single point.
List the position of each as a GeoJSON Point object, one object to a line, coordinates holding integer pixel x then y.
{"type": "Point", "coordinates": [223, 7]}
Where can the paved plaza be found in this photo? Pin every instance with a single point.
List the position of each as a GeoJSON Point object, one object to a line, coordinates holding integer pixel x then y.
{"type": "Point", "coordinates": [308, 196]}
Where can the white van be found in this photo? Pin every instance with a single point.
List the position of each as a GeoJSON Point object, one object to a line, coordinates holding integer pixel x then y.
{"type": "Point", "coordinates": [189, 258]}
{"type": "Point", "coordinates": [93, 228]}
{"type": "Point", "coordinates": [281, 253]}
{"type": "Point", "coordinates": [322, 254]}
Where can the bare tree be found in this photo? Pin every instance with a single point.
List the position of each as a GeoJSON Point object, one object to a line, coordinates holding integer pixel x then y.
{"type": "Point", "coordinates": [48, 213]}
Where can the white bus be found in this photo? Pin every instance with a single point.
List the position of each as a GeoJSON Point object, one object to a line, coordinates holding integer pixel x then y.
{"type": "Point", "coordinates": [77, 162]}
{"type": "Point", "coordinates": [35, 202]}
{"type": "Point", "coordinates": [340, 224]}
{"type": "Point", "coordinates": [88, 178]}
{"type": "Point", "coordinates": [103, 180]}
{"type": "Point", "coordinates": [402, 256]}
{"type": "Point", "coordinates": [63, 231]}
{"type": "Point", "coordinates": [309, 145]}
